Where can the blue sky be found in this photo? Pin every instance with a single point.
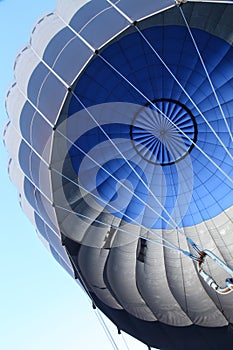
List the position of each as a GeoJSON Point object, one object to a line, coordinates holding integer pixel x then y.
{"type": "Point", "coordinates": [41, 306]}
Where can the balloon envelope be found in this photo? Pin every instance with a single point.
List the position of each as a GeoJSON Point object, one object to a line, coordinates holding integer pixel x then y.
{"type": "Point", "coordinates": [119, 138]}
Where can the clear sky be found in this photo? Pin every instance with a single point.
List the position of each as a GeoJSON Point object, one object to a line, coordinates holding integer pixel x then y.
{"type": "Point", "coordinates": [41, 307]}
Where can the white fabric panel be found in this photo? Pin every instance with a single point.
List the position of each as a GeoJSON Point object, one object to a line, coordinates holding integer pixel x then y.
{"type": "Point", "coordinates": [67, 9]}
{"type": "Point", "coordinates": [25, 63]}
{"type": "Point", "coordinates": [65, 51]}
{"type": "Point", "coordinates": [12, 147]}
{"type": "Point", "coordinates": [47, 102]}
{"type": "Point", "coordinates": [70, 225]}
{"type": "Point", "coordinates": [16, 175]}
{"type": "Point", "coordinates": [164, 280]}
{"type": "Point", "coordinates": [138, 9]}
{"type": "Point", "coordinates": [44, 31]}
{"type": "Point", "coordinates": [14, 105]}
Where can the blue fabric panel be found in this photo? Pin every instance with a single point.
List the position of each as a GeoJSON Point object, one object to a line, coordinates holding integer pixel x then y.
{"type": "Point", "coordinates": [35, 168]}
{"type": "Point", "coordinates": [133, 58]}
{"type": "Point", "coordinates": [26, 118]}
{"type": "Point", "coordinates": [87, 13]}
{"type": "Point", "coordinates": [36, 81]}
{"type": "Point", "coordinates": [24, 158]}
{"type": "Point", "coordinates": [60, 261]}
{"type": "Point", "coordinates": [29, 191]}
{"type": "Point", "coordinates": [55, 46]}
{"type": "Point", "coordinates": [40, 202]}
{"type": "Point", "coordinates": [39, 137]}
{"type": "Point", "coordinates": [49, 103]}
{"type": "Point", "coordinates": [40, 225]}
{"type": "Point", "coordinates": [54, 240]}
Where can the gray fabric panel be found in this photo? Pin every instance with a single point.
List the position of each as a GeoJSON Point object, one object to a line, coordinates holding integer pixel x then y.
{"type": "Point", "coordinates": [137, 9]}
{"type": "Point", "coordinates": [92, 263]}
{"type": "Point", "coordinates": [121, 274]}
{"type": "Point", "coordinates": [153, 286]}
{"type": "Point", "coordinates": [213, 18]}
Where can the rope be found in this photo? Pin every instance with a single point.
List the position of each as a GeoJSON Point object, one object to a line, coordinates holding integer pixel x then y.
{"type": "Point", "coordinates": [179, 84]}
{"type": "Point", "coordinates": [191, 100]}
{"type": "Point", "coordinates": [97, 313]}
{"type": "Point", "coordinates": [132, 85]}
{"type": "Point", "coordinates": [207, 73]}
{"type": "Point", "coordinates": [66, 85]}
{"type": "Point", "coordinates": [166, 243]}
{"type": "Point", "coordinates": [178, 230]}
{"type": "Point", "coordinates": [175, 225]}
{"type": "Point", "coordinates": [108, 173]}
{"type": "Point", "coordinates": [132, 168]}
{"type": "Point", "coordinates": [181, 131]}
{"type": "Point", "coordinates": [124, 341]}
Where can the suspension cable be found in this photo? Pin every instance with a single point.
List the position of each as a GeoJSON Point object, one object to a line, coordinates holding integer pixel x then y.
{"type": "Point", "coordinates": [130, 165]}
{"type": "Point", "coordinates": [146, 98]}
{"type": "Point", "coordinates": [178, 230]}
{"type": "Point", "coordinates": [97, 313]}
{"type": "Point", "coordinates": [206, 72]}
{"type": "Point", "coordinates": [164, 115]}
{"type": "Point", "coordinates": [166, 243]}
{"type": "Point", "coordinates": [176, 80]}
{"type": "Point", "coordinates": [169, 244]}
{"type": "Point", "coordinates": [125, 341]}
{"type": "Point", "coordinates": [175, 225]}
{"type": "Point", "coordinates": [189, 97]}
{"type": "Point", "coordinates": [66, 85]}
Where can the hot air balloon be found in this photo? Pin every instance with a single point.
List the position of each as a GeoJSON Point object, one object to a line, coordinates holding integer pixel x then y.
{"type": "Point", "coordinates": [120, 144]}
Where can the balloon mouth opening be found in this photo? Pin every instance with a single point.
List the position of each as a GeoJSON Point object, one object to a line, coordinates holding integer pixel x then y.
{"type": "Point", "coordinates": [163, 131]}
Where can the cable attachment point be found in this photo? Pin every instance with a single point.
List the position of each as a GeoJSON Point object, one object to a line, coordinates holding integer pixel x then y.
{"type": "Point", "coordinates": [181, 2]}
{"type": "Point", "coordinates": [208, 279]}
{"type": "Point", "coordinates": [200, 259]}
{"type": "Point", "coordinates": [200, 256]}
